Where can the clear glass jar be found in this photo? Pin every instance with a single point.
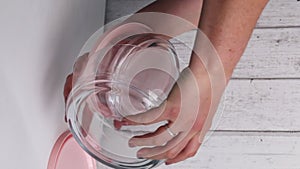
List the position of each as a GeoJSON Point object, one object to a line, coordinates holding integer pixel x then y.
{"type": "Point", "coordinates": [126, 78]}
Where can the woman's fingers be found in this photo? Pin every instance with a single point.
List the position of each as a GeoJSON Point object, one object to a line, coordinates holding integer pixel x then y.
{"type": "Point", "coordinates": [67, 89]}
{"type": "Point", "coordinates": [169, 150]}
{"type": "Point", "coordinates": [68, 86]}
{"type": "Point", "coordinates": [77, 69]}
{"type": "Point", "coordinates": [157, 138]}
{"type": "Point", "coordinates": [80, 64]}
{"type": "Point", "coordinates": [164, 112]}
{"type": "Point", "coordinates": [189, 151]}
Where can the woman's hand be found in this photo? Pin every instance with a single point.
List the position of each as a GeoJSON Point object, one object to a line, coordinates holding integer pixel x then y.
{"type": "Point", "coordinates": [186, 110]}
{"type": "Point", "coordinates": [77, 70]}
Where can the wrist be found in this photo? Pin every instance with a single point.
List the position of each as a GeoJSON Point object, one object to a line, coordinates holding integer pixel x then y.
{"type": "Point", "coordinates": [206, 70]}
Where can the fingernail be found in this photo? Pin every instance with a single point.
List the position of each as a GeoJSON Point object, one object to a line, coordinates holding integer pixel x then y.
{"type": "Point", "coordinates": [117, 124]}
{"type": "Point", "coordinates": [131, 143]}
{"type": "Point", "coordinates": [140, 154]}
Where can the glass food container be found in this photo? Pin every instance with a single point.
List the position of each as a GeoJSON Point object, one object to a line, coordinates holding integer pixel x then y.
{"type": "Point", "coordinates": [128, 71]}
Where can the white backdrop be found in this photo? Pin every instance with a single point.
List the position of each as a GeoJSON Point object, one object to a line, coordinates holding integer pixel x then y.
{"type": "Point", "coordinates": [39, 40]}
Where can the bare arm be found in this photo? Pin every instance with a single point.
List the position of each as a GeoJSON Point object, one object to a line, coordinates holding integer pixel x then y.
{"type": "Point", "coordinates": [229, 25]}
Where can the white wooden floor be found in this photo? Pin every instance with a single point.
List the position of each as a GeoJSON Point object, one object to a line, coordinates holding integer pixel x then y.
{"type": "Point", "coordinates": [258, 122]}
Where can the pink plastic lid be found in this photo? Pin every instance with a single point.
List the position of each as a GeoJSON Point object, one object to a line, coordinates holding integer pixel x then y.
{"type": "Point", "coordinates": [67, 154]}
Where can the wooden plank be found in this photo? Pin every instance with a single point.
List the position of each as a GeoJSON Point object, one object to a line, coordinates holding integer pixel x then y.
{"type": "Point", "coordinates": [271, 53]}
{"type": "Point", "coordinates": [271, 105]}
{"type": "Point", "coordinates": [246, 151]}
{"type": "Point", "coordinates": [278, 13]}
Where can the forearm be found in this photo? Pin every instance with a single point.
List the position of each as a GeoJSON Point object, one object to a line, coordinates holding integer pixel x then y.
{"type": "Point", "coordinates": [228, 24]}
{"type": "Point", "coordinates": [187, 11]}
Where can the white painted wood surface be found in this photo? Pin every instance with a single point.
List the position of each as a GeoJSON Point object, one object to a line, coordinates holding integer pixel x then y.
{"type": "Point", "coordinates": [258, 121]}
{"type": "Point", "coordinates": [271, 53]}
{"type": "Point", "coordinates": [260, 105]}
{"type": "Point", "coordinates": [280, 13]}
{"type": "Point", "coordinates": [239, 150]}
